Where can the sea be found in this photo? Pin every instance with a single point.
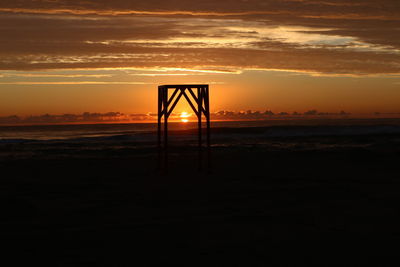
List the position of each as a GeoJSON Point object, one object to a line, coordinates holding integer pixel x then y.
{"type": "Point", "coordinates": [96, 141]}
{"type": "Point", "coordinates": [272, 128]}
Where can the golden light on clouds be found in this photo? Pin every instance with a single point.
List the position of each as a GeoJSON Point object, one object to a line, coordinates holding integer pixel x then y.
{"type": "Point", "coordinates": [285, 55]}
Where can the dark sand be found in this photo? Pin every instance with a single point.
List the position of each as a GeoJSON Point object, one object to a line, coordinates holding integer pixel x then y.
{"type": "Point", "coordinates": [290, 201]}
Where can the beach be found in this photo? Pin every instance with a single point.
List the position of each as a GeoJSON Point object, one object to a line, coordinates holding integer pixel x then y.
{"type": "Point", "coordinates": [101, 201]}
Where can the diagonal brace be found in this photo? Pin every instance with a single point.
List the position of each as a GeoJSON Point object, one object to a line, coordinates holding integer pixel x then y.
{"type": "Point", "coordinates": [190, 103]}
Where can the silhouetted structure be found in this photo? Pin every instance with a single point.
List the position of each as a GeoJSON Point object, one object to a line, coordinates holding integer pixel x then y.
{"type": "Point", "coordinates": [167, 104]}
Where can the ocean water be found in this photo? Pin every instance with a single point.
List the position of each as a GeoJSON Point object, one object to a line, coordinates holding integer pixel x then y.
{"type": "Point", "coordinates": [125, 140]}
{"type": "Point", "coordinates": [268, 128]}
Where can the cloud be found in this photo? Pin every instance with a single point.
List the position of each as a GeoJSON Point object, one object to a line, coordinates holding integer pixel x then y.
{"type": "Point", "coordinates": [42, 75]}
{"type": "Point", "coordinates": [326, 37]}
{"type": "Point", "coordinates": [85, 117]}
{"type": "Point", "coordinates": [118, 117]}
{"type": "Point", "coordinates": [71, 83]}
{"type": "Point", "coordinates": [234, 7]}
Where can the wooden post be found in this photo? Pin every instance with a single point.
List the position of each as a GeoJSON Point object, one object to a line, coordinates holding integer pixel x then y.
{"type": "Point", "coordinates": [207, 109]}
{"type": "Point", "coordinates": [159, 115]}
{"type": "Point", "coordinates": [199, 109]}
{"type": "Point", "coordinates": [165, 93]}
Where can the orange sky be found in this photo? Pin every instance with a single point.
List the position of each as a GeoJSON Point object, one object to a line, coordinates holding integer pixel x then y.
{"type": "Point", "coordinates": [98, 56]}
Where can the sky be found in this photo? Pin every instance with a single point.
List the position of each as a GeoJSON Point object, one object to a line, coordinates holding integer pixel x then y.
{"type": "Point", "coordinates": [73, 56]}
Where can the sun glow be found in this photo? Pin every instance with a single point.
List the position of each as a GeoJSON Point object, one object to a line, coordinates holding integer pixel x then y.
{"type": "Point", "coordinates": [184, 117]}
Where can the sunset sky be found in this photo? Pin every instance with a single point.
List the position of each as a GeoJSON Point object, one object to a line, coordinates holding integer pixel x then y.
{"type": "Point", "coordinates": [72, 56]}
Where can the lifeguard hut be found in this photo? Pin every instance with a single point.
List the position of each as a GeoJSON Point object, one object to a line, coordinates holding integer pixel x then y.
{"type": "Point", "coordinates": [200, 104]}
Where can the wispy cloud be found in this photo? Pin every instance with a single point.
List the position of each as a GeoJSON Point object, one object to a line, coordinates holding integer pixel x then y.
{"type": "Point", "coordinates": [100, 12]}
{"type": "Point", "coordinates": [72, 83]}
{"type": "Point", "coordinates": [40, 75]}
{"type": "Point", "coordinates": [331, 37]}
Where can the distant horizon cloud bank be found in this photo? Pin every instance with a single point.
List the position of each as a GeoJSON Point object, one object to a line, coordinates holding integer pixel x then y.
{"type": "Point", "coordinates": [118, 117]}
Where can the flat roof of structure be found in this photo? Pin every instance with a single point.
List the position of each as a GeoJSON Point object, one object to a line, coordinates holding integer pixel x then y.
{"type": "Point", "coordinates": [183, 85]}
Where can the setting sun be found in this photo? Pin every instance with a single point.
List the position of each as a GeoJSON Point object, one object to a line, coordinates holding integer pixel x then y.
{"type": "Point", "coordinates": [184, 117]}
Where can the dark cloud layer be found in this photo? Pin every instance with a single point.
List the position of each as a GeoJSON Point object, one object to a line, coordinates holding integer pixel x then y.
{"type": "Point", "coordinates": [335, 37]}
{"type": "Point", "coordinates": [328, 7]}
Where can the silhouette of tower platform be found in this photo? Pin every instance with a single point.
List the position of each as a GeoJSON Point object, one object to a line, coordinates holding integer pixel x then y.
{"type": "Point", "coordinates": [200, 105]}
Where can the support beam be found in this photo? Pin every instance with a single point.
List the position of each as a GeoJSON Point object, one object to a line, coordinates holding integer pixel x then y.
{"type": "Point", "coordinates": [196, 111]}
{"type": "Point", "coordinates": [172, 97]}
{"type": "Point", "coordinates": [175, 103]}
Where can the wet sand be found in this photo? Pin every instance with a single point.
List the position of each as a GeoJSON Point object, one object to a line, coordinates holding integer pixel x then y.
{"type": "Point", "coordinates": [105, 204]}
